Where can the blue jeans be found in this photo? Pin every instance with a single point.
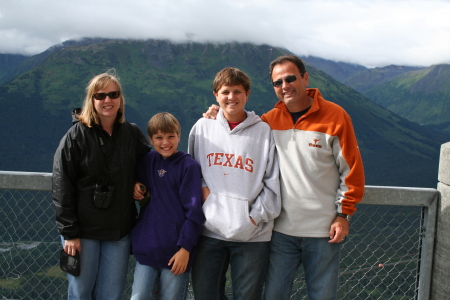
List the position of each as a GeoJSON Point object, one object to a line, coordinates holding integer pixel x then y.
{"type": "Point", "coordinates": [103, 270]}
{"type": "Point", "coordinates": [148, 280]}
{"type": "Point", "coordinates": [320, 260]}
{"type": "Point", "coordinates": [248, 261]}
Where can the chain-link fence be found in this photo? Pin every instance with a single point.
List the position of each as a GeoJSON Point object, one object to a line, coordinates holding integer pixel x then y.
{"type": "Point", "coordinates": [381, 258]}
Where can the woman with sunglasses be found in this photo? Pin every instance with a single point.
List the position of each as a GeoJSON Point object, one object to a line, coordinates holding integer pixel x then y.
{"type": "Point", "coordinates": [93, 180]}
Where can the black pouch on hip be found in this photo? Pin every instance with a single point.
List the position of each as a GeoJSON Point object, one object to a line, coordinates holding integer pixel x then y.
{"type": "Point", "coordinates": [70, 264]}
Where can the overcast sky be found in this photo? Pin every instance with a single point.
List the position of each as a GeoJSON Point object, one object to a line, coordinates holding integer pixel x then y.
{"type": "Point", "coordinates": [373, 33]}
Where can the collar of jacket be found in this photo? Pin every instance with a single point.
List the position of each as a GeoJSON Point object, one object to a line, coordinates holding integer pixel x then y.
{"type": "Point", "coordinates": [313, 93]}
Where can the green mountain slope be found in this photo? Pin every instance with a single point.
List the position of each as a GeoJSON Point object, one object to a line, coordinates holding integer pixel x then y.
{"type": "Point", "coordinates": [366, 79]}
{"type": "Point", "coordinates": [162, 76]}
{"type": "Point", "coordinates": [8, 62]}
{"type": "Point", "coordinates": [421, 96]}
{"type": "Point", "coordinates": [338, 70]}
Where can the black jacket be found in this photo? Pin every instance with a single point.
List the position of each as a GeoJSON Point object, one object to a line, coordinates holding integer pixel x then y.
{"type": "Point", "coordinates": [80, 163]}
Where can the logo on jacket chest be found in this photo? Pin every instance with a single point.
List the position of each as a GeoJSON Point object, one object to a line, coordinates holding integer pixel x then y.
{"type": "Point", "coordinates": [230, 160]}
{"type": "Point", "coordinates": [161, 172]}
{"type": "Point", "coordinates": [315, 144]}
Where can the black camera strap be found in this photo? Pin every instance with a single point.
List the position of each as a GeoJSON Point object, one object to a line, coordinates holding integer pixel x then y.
{"type": "Point", "coordinates": [103, 194]}
{"type": "Point", "coordinates": [106, 176]}
{"type": "Point", "coordinates": [108, 154]}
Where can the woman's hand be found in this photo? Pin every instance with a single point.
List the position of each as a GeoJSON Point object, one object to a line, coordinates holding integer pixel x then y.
{"type": "Point", "coordinates": [139, 191]}
{"type": "Point", "coordinates": [72, 246]}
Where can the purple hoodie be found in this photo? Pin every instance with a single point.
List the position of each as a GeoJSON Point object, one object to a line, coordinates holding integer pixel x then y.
{"type": "Point", "coordinates": [173, 218]}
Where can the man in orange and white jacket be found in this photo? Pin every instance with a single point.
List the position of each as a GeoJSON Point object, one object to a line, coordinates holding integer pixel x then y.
{"type": "Point", "coordinates": [322, 180]}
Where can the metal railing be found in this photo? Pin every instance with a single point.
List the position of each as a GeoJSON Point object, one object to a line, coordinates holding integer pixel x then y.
{"type": "Point", "coordinates": [388, 254]}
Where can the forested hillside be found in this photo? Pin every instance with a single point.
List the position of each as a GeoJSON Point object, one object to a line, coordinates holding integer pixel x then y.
{"type": "Point", "coordinates": [163, 76]}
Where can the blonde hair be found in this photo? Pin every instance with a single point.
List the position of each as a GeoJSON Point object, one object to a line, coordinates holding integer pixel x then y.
{"type": "Point", "coordinates": [164, 122]}
{"type": "Point", "coordinates": [88, 115]}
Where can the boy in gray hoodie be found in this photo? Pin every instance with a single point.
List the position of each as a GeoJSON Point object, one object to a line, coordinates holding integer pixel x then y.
{"type": "Point", "coordinates": [241, 193]}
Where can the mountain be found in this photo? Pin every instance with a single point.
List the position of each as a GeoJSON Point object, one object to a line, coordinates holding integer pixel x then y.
{"type": "Point", "coordinates": [12, 66]}
{"type": "Point", "coordinates": [338, 70]}
{"type": "Point", "coordinates": [421, 96]}
{"type": "Point", "coordinates": [369, 78]}
{"type": "Point", "coordinates": [158, 75]}
{"type": "Point", "coordinates": [8, 62]}
{"type": "Point", "coordinates": [418, 94]}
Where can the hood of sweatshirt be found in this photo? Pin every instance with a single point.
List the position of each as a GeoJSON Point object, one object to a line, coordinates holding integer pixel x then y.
{"type": "Point", "coordinates": [251, 120]}
{"type": "Point", "coordinates": [176, 157]}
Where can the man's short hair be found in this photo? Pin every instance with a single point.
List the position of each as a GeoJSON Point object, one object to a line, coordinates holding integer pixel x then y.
{"type": "Point", "coordinates": [231, 77]}
{"type": "Point", "coordinates": [164, 122]}
{"type": "Point", "coordinates": [291, 58]}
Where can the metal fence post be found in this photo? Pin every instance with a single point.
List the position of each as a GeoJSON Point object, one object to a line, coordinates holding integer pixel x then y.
{"type": "Point", "coordinates": [440, 289]}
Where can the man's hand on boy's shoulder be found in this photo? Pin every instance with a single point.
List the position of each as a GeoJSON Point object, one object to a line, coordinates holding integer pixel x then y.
{"type": "Point", "coordinates": [212, 112]}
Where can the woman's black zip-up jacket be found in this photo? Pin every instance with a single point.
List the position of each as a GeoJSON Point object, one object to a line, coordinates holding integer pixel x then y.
{"type": "Point", "coordinates": [88, 156]}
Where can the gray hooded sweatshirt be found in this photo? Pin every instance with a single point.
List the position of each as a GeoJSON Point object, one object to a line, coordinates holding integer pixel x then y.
{"type": "Point", "coordinates": [240, 168]}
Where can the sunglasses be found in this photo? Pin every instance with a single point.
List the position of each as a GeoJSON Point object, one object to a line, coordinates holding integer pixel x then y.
{"type": "Point", "coordinates": [288, 79]}
{"type": "Point", "coordinates": [102, 96]}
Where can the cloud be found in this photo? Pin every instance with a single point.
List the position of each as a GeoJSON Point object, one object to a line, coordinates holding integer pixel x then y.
{"type": "Point", "coordinates": [371, 33]}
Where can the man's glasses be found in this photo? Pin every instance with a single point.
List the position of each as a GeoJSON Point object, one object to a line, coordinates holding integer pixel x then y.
{"type": "Point", "coordinates": [288, 79]}
{"type": "Point", "coordinates": [102, 96]}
